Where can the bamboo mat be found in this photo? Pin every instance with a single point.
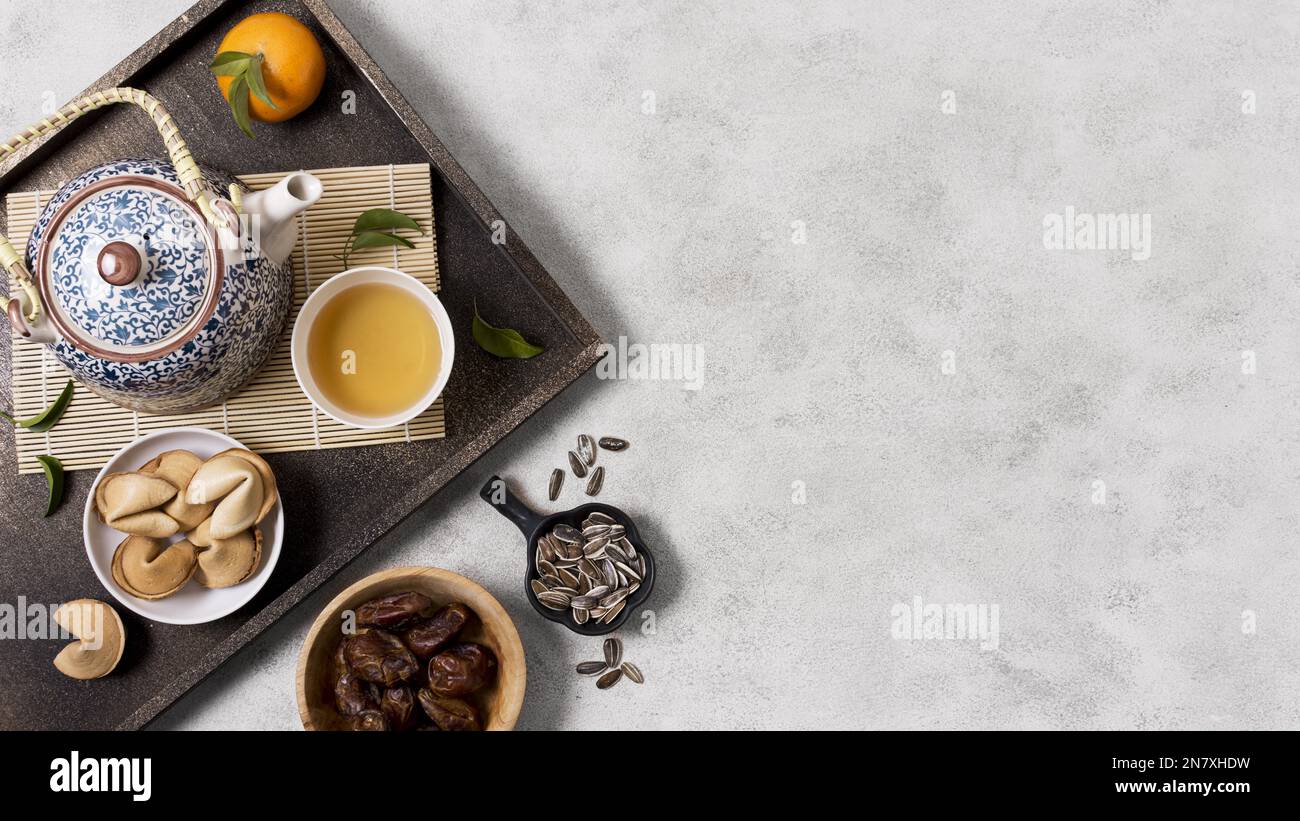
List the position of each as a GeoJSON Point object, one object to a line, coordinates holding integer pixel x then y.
{"type": "Point", "coordinates": [270, 414]}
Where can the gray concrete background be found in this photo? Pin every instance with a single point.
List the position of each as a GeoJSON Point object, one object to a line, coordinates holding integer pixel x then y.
{"type": "Point", "coordinates": [823, 359]}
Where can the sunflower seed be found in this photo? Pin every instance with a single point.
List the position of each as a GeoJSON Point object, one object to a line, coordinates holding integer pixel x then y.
{"type": "Point", "coordinates": [587, 449]}
{"type": "Point", "coordinates": [613, 612]}
{"type": "Point", "coordinates": [557, 482]}
{"type": "Point", "coordinates": [613, 599]}
{"type": "Point", "coordinates": [597, 479]}
{"type": "Point", "coordinates": [546, 568]}
{"type": "Point", "coordinates": [616, 532]}
{"type": "Point", "coordinates": [631, 574]}
{"type": "Point", "coordinates": [594, 531]}
{"type": "Point", "coordinates": [555, 601]}
{"type": "Point", "coordinates": [584, 602]}
{"type": "Point", "coordinates": [569, 578]}
{"type": "Point", "coordinates": [595, 549]}
{"type": "Point", "coordinates": [567, 534]}
{"type": "Point", "coordinates": [568, 591]}
{"type": "Point", "coordinates": [576, 464]}
{"type": "Point", "coordinates": [591, 668]}
{"type": "Point", "coordinates": [598, 591]}
{"type": "Point", "coordinates": [640, 562]}
{"type": "Point", "coordinates": [581, 616]}
{"type": "Point", "coordinates": [572, 552]}
{"type": "Point", "coordinates": [552, 581]}
{"type": "Point", "coordinates": [589, 569]}
{"type": "Point", "coordinates": [537, 586]}
{"type": "Point", "coordinates": [610, 573]}
{"type": "Point", "coordinates": [609, 679]}
{"type": "Point", "coordinates": [632, 672]}
{"type": "Point", "coordinates": [597, 518]}
{"type": "Point", "coordinates": [546, 551]}
{"type": "Point", "coordinates": [613, 552]}
{"type": "Point", "coordinates": [613, 648]}
{"type": "Point", "coordinates": [614, 443]}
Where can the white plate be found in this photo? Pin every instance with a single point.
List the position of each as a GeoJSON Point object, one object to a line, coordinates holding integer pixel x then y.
{"type": "Point", "coordinates": [194, 604]}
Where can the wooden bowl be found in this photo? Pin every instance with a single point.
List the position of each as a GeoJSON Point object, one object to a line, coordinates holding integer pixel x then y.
{"type": "Point", "coordinates": [499, 704]}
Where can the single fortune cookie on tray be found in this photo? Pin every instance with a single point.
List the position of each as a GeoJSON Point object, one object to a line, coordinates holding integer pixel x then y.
{"type": "Point", "coordinates": [241, 487]}
{"type": "Point", "coordinates": [132, 502]}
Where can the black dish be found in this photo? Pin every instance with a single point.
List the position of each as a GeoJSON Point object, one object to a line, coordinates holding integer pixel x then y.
{"type": "Point", "coordinates": [534, 525]}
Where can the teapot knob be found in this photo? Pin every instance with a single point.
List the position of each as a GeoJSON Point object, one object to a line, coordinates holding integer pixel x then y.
{"type": "Point", "coordinates": [119, 263]}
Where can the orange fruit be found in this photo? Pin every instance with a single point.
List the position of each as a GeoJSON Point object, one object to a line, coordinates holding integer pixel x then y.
{"type": "Point", "coordinates": [293, 66]}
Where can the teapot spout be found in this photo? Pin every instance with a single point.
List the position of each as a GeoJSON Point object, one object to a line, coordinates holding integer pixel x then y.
{"type": "Point", "coordinates": [273, 209]}
{"type": "Point", "coordinates": [29, 329]}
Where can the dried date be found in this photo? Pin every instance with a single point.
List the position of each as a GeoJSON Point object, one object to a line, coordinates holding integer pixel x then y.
{"type": "Point", "coordinates": [461, 669]}
{"type": "Point", "coordinates": [398, 706]}
{"type": "Point", "coordinates": [380, 657]}
{"type": "Point", "coordinates": [371, 721]}
{"type": "Point", "coordinates": [397, 610]}
{"type": "Point", "coordinates": [428, 638]}
{"type": "Point", "coordinates": [352, 695]}
{"type": "Point", "coordinates": [450, 713]}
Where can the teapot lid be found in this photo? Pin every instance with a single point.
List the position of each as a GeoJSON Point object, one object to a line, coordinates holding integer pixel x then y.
{"type": "Point", "coordinates": [128, 266]}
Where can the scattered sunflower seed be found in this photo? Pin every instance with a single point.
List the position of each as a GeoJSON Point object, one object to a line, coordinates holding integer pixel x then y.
{"type": "Point", "coordinates": [576, 464]}
{"type": "Point", "coordinates": [631, 671]}
{"type": "Point", "coordinates": [609, 679]}
{"type": "Point", "coordinates": [557, 482]}
{"type": "Point", "coordinates": [613, 443]}
{"type": "Point", "coordinates": [587, 449]}
{"type": "Point", "coordinates": [596, 481]}
{"type": "Point", "coordinates": [613, 651]}
{"type": "Point", "coordinates": [591, 668]}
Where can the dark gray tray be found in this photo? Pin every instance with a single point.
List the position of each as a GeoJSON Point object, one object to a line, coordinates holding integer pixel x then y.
{"type": "Point", "coordinates": [341, 501]}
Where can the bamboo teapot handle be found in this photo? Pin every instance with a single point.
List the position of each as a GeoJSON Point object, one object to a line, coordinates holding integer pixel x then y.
{"type": "Point", "coordinates": [188, 170]}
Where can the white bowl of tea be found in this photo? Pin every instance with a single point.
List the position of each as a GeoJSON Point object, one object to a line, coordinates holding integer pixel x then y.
{"type": "Point", "coordinates": [372, 347]}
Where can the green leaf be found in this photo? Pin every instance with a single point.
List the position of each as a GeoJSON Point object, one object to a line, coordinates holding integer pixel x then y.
{"type": "Point", "coordinates": [46, 419]}
{"type": "Point", "coordinates": [379, 239]}
{"type": "Point", "coordinates": [384, 219]}
{"type": "Point", "coordinates": [222, 63]}
{"type": "Point", "coordinates": [503, 342]}
{"type": "Point", "coordinates": [239, 105]}
{"type": "Point", "coordinates": [253, 75]}
{"type": "Point", "coordinates": [54, 479]}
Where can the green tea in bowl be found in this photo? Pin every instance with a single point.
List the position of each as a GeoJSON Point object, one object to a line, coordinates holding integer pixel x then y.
{"type": "Point", "coordinates": [372, 347]}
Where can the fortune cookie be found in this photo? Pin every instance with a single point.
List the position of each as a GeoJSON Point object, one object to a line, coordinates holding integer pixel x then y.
{"type": "Point", "coordinates": [151, 568]}
{"type": "Point", "coordinates": [131, 502]}
{"type": "Point", "coordinates": [242, 487]}
{"type": "Point", "coordinates": [179, 467]}
{"type": "Point", "coordinates": [226, 562]}
{"type": "Point", "coordinates": [101, 638]}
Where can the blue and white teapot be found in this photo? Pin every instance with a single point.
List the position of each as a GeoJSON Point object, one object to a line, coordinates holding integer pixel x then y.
{"type": "Point", "coordinates": [161, 286]}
